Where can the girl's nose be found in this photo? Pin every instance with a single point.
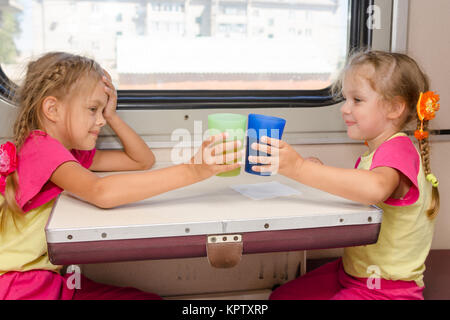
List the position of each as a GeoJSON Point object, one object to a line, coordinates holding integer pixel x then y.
{"type": "Point", "coordinates": [100, 120]}
{"type": "Point", "coordinates": [345, 108]}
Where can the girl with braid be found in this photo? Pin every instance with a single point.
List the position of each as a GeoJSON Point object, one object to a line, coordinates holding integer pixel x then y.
{"type": "Point", "coordinates": [63, 103]}
{"type": "Point", "coordinates": [383, 92]}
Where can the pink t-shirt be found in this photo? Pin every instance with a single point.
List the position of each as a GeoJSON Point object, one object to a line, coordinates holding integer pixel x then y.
{"type": "Point", "coordinates": [399, 153]}
{"type": "Point", "coordinates": [38, 158]}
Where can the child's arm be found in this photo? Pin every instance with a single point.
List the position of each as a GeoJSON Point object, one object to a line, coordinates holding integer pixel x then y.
{"type": "Point", "coordinates": [115, 190]}
{"type": "Point", "coordinates": [314, 159]}
{"type": "Point", "coordinates": [136, 155]}
{"type": "Point", "coordinates": [368, 187]}
{"type": "Point", "coordinates": [364, 186]}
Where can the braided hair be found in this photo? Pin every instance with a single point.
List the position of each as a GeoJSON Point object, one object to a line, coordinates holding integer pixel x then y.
{"type": "Point", "coordinates": [424, 148]}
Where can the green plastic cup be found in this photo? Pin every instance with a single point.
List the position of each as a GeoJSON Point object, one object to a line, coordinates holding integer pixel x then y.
{"type": "Point", "coordinates": [232, 123]}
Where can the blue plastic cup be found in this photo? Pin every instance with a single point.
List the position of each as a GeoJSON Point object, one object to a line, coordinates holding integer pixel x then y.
{"type": "Point", "coordinates": [259, 126]}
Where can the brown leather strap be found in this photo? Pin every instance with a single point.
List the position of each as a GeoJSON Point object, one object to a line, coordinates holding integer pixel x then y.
{"type": "Point", "coordinates": [224, 253]}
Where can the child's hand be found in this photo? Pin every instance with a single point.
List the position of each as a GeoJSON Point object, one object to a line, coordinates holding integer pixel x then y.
{"type": "Point", "coordinates": [211, 159]}
{"type": "Point", "coordinates": [110, 109]}
{"type": "Point", "coordinates": [284, 159]}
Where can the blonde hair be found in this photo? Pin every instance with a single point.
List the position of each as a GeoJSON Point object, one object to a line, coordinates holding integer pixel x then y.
{"type": "Point", "coordinates": [395, 76]}
{"type": "Point", "coordinates": [53, 74]}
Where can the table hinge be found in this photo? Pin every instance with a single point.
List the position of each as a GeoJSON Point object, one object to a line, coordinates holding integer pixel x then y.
{"type": "Point", "coordinates": [224, 250]}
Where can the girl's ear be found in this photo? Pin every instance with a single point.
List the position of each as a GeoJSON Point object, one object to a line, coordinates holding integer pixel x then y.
{"type": "Point", "coordinates": [397, 108]}
{"type": "Point", "coordinates": [51, 108]}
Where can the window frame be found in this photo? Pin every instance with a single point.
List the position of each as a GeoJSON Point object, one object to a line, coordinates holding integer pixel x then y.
{"type": "Point", "coordinates": [7, 87]}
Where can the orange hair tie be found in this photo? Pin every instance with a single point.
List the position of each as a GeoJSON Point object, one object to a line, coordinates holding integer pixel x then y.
{"type": "Point", "coordinates": [426, 110]}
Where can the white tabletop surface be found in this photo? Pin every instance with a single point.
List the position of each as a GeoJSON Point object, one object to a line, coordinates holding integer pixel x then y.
{"type": "Point", "coordinates": [208, 207]}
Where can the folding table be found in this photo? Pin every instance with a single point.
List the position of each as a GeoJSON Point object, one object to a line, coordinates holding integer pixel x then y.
{"type": "Point", "coordinates": [189, 221]}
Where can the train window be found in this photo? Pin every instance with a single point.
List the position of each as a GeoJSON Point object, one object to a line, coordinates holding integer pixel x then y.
{"type": "Point", "coordinates": [186, 45]}
{"type": "Point", "coordinates": [277, 55]}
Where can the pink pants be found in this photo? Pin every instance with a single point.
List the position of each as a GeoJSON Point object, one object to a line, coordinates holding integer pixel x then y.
{"type": "Point", "coordinates": [330, 282]}
{"type": "Point", "coordinates": [47, 285]}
